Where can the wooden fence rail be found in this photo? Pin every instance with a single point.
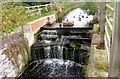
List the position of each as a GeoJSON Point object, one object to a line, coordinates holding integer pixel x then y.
{"type": "Point", "coordinates": [32, 10]}
{"type": "Point", "coordinates": [108, 28]}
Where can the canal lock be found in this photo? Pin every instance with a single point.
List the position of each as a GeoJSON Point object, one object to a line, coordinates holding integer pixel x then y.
{"type": "Point", "coordinates": [59, 52]}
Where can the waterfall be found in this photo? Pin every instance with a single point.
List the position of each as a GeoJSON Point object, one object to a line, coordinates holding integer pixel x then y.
{"type": "Point", "coordinates": [47, 52]}
{"type": "Point", "coordinates": [73, 54]}
{"type": "Point", "coordinates": [47, 49]}
{"type": "Point", "coordinates": [59, 45]}
{"type": "Point", "coordinates": [61, 51]}
{"type": "Point", "coordinates": [58, 49]}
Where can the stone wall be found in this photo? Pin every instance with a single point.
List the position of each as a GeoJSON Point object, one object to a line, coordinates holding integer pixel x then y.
{"type": "Point", "coordinates": [14, 53]}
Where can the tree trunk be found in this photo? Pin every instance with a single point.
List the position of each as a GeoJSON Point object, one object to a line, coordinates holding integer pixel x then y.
{"type": "Point", "coordinates": [101, 18]}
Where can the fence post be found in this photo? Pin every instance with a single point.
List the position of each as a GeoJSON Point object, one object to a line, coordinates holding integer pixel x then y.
{"type": "Point", "coordinates": [114, 67]}
{"type": "Point", "coordinates": [101, 18]}
{"type": "Point", "coordinates": [46, 8]}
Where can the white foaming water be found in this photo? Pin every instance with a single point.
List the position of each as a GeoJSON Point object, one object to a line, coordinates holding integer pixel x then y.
{"type": "Point", "coordinates": [47, 52]}
{"type": "Point", "coordinates": [77, 14]}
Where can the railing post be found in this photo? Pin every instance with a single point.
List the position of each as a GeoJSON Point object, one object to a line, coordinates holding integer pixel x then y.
{"type": "Point", "coordinates": [114, 67]}
{"type": "Point", "coordinates": [46, 8]}
{"type": "Point", "coordinates": [101, 18]}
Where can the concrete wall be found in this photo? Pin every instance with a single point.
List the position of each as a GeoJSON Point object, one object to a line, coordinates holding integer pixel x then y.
{"type": "Point", "coordinates": [15, 47]}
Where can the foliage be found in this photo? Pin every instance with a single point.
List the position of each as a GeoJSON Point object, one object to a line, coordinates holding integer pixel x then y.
{"type": "Point", "coordinates": [12, 16]}
{"type": "Point", "coordinates": [68, 5]}
{"type": "Point", "coordinates": [58, 8]}
{"type": "Point", "coordinates": [15, 14]}
{"type": "Point", "coordinates": [91, 7]}
{"type": "Point", "coordinates": [75, 45]}
{"type": "Point", "coordinates": [111, 4]}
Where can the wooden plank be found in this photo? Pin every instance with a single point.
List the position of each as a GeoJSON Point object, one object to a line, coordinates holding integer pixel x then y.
{"type": "Point", "coordinates": [107, 48]}
{"type": "Point", "coordinates": [33, 6]}
{"type": "Point", "coordinates": [107, 35]}
{"type": "Point", "coordinates": [44, 5]}
{"type": "Point", "coordinates": [109, 7]}
{"type": "Point", "coordinates": [109, 24]}
{"type": "Point", "coordinates": [38, 6]}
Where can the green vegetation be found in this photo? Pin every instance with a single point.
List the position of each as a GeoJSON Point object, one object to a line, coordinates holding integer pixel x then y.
{"type": "Point", "coordinates": [91, 7]}
{"type": "Point", "coordinates": [111, 4]}
{"type": "Point", "coordinates": [68, 6]}
{"type": "Point", "coordinates": [15, 14]}
{"type": "Point", "coordinates": [75, 45]}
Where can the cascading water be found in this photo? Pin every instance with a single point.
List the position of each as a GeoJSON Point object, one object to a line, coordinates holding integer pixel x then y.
{"type": "Point", "coordinates": [58, 57]}
{"type": "Point", "coordinates": [47, 52]}
{"type": "Point", "coordinates": [59, 53]}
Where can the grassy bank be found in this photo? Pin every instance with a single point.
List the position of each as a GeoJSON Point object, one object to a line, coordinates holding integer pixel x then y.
{"type": "Point", "coordinates": [15, 14]}
{"type": "Point", "coordinates": [91, 7]}
{"type": "Point", "coordinates": [67, 7]}
{"type": "Point", "coordinates": [71, 5]}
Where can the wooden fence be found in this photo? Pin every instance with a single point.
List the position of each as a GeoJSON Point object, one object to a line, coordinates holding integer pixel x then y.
{"type": "Point", "coordinates": [108, 28]}
{"type": "Point", "coordinates": [32, 10]}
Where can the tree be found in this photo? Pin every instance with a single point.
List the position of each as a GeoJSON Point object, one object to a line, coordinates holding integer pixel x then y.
{"type": "Point", "coordinates": [101, 18]}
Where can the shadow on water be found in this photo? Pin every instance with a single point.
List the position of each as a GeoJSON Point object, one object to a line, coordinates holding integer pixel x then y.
{"type": "Point", "coordinates": [59, 52]}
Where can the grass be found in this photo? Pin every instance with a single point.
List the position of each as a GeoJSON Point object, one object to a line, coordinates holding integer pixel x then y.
{"type": "Point", "coordinates": [16, 16]}
{"type": "Point", "coordinates": [101, 65]}
{"type": "Point", "coordinates": [91, 6]}
{"type": "Point", "coordinates": [39, 16]}
{"type": "Point", "coordinates": [67, 6]}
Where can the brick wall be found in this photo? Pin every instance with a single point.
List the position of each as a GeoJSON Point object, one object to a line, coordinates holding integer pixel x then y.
{"type": "Point", "coordinates": [41, 22]}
